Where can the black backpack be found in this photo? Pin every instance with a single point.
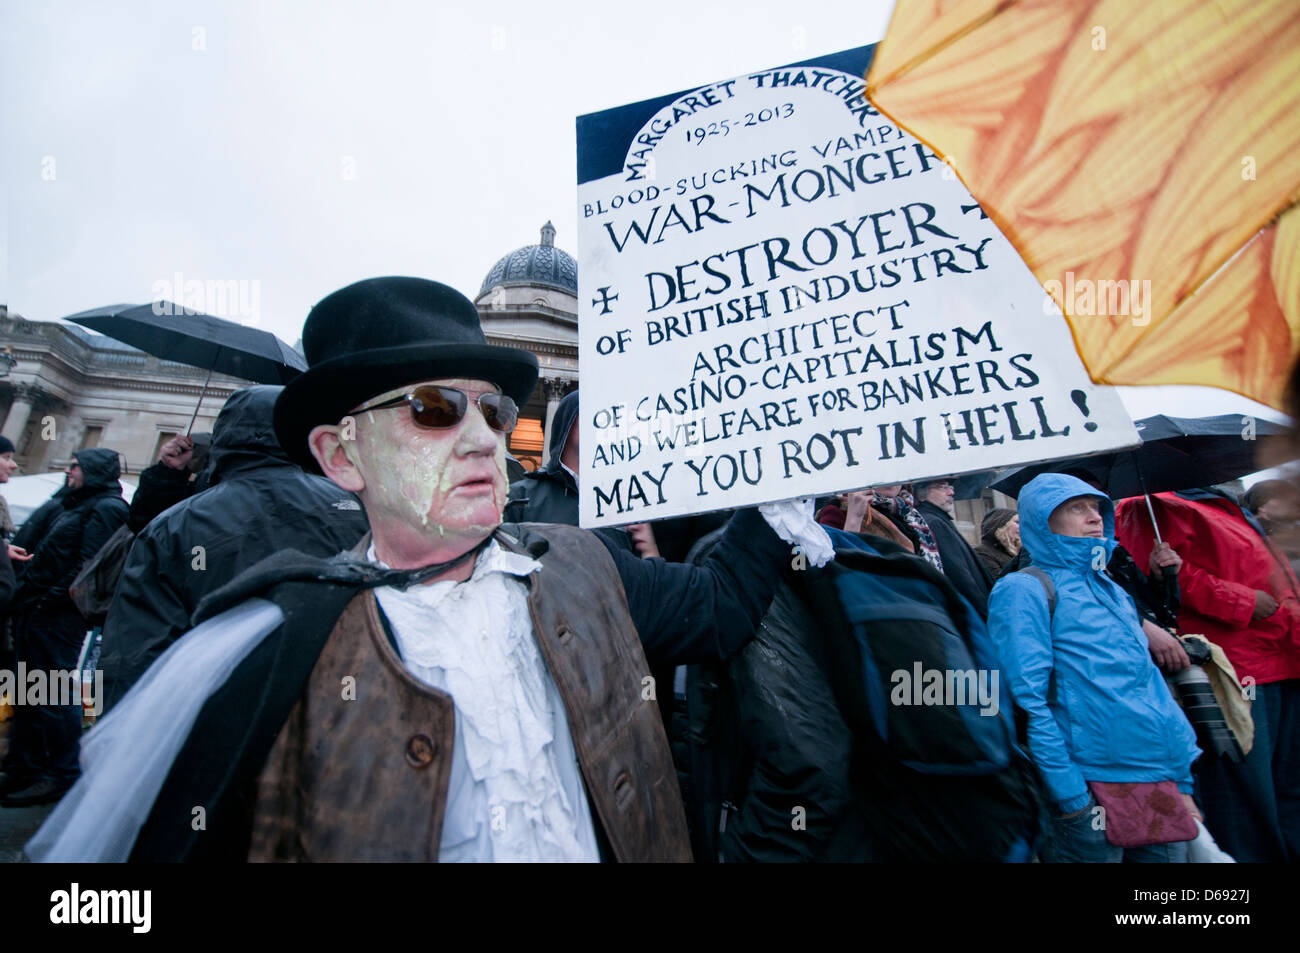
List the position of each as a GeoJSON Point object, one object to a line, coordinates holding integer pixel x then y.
{"type": "Point", "coordinates": [92, 590]}
{"type": "Point", "coordinates": [945, 780]}
{"type": "Point", "coordinates": [930, 782]}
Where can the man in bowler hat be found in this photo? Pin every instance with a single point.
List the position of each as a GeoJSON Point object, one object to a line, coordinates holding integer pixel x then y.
{"type": "Point", "coordinates": [452, 688]}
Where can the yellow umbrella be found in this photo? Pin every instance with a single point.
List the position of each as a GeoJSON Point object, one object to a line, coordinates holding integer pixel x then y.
{"type": "Point", "coordinates": [1142, 155]}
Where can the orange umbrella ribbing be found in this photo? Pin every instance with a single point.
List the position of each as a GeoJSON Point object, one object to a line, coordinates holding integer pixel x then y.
{"type": "Point", "coordinates": [1144, 159]}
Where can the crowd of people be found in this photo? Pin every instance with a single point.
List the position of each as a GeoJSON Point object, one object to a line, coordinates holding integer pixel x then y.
{"type": "Point", "coordinates": [345, 633]}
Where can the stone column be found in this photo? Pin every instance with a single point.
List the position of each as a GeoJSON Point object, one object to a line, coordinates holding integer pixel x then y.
{"type": "Point", "coordinates": [20, 411]}
{"type": "Point", "coordinates": [40, 452]}
{"type": "Point", "coordinates": [555, 390]}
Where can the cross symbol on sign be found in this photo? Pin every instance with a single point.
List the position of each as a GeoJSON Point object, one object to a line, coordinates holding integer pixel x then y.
{"type": "Point", "coordinates": [604, 299]}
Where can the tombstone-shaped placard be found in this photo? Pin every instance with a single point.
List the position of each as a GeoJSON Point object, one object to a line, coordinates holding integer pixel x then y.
{"type": "Point", "coordinates": [782, 293]}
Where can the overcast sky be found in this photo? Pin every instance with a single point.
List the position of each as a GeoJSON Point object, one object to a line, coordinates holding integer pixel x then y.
{"type": "Point", "coordinates": [455, 119]}
{"type": "Point", "coordinates": [304, 145]}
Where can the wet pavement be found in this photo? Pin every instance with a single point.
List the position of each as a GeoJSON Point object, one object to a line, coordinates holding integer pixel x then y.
{"type": "Point", "coordinates": [17, 825]}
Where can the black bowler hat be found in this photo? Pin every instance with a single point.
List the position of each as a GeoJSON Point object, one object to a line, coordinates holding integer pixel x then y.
{"type": "Point", "coordinates": [382, 333]}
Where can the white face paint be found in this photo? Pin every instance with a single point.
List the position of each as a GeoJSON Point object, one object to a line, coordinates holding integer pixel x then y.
{"type": "Point", "coordinates": [429, 490]}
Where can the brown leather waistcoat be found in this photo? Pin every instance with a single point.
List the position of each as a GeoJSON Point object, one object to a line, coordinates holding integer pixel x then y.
{"type": "Point", "coordinates": [365, 777]}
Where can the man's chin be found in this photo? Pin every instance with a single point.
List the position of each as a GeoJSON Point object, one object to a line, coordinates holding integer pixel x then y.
{"type": "Point", "coordinates": [474, 525]}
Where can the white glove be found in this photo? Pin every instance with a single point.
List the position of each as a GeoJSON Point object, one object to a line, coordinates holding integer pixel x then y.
{"type": "Point", "coordinates": [792, 520]}
{"type": "Point", "coordinates": [1203, 850]}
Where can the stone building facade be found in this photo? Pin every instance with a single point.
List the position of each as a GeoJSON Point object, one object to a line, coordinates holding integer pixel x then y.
{"type": "Point", "coordinates": [67, 389]}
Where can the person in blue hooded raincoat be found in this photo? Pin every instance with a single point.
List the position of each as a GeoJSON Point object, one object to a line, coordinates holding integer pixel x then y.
{"type": "Point", "coordinates": [1098, 708]}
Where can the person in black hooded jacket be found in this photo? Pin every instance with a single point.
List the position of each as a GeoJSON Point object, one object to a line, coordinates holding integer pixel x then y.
{"type": "Point", "coordinates": [35, 526]}
{"type": "Point", "coordinates": [49, 631]}
{"type": "Point", "coordinates": [960, 563]}
{"type": "Point", "coordinates": [258, 502]}
{"type": "Point", "coordinates": [550, 494]}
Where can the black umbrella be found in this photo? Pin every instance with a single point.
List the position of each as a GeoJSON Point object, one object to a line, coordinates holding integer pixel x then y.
{"type": "Point", "coordinates": [172, 333]}
{"type": "Point", "coordinates": [971, 485]}
{"type": "Point", "coordinates": [1177, 453]}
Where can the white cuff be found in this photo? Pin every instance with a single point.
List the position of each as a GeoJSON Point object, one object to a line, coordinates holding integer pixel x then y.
{"type": "Point", "coordinates": [792, 520]}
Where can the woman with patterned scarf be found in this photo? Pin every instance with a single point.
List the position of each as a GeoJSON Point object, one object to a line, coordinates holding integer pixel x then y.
{"type": "Point", "coordinates": [897, 503]}
{"type": "Point", "coordinates": [861, 511]}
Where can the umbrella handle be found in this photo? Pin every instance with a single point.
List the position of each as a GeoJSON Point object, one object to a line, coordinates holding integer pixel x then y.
{"type": "Point", "coordinates": [1137, 467]}
{"type": "Point", "coordinates": [193, 417]}
{"type": "Point", "coordinates": [1169, 573]}
{"type": "Point", "coordinates": [1154, 525]}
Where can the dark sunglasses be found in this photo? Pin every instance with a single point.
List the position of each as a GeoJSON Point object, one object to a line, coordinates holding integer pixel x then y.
{"type": "Point", "coordinates": [441, 408]}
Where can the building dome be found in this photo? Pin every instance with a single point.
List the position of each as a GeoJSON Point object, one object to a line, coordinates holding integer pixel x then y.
{"type": "Point", "coordinates": [541, 265]}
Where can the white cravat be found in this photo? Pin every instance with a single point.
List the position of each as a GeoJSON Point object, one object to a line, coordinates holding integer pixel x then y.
{"type": "Point", "coordinates": [515, 792]}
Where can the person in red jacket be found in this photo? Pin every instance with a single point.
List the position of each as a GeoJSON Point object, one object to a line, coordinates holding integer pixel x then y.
{"type": "Point", "coordinates": [1239, 592]}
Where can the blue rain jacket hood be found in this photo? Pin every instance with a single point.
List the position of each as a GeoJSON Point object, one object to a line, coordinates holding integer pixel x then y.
{"type": "Point", "coordinates": [1043, 494]}
{"type": "Point", "coordinates": [1098, 707]}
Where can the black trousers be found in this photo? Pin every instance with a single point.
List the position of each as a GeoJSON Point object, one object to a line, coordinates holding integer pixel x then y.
{"type": "Point", "coordinates": [1238, 797]}
{"type": "Point", "coordinates": [44, 740]}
